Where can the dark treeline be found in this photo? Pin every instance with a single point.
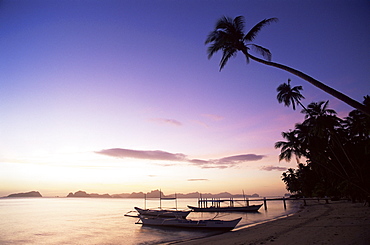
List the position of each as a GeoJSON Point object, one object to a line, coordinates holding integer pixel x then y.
{"type": "Point", "coordinates": [335, 151]}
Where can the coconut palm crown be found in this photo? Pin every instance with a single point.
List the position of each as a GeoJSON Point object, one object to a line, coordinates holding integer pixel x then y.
{"type": "Point", "coordinates": [228, 37]}
{"type": "Point", "coordinates": [290, 95]}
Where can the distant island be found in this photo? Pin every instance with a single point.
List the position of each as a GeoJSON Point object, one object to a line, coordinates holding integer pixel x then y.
{"type": "Point", "coordinates": [26, 194]}
{"type": "Point", "coordinates": [84, 194]}
{"type": "Point", "coordinates": [157, 194]}
{"type": "Point", "coordinates": [151, 194]}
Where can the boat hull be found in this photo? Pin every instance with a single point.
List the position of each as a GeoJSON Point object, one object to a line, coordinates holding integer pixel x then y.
{"type": "Point", "coordinates": [186, 223]}
{"type": "Point", "coordinates": [163, 213]}
{"type": "Point", "coordinates": [252, 208]}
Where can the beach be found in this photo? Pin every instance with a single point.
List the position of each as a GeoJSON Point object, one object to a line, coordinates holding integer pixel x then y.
{"type": "Point", "coordinates": [340, 223]}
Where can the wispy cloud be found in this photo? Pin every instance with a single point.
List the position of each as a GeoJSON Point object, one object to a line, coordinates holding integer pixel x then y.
{"type": "Point", "coordinates": [273, 168]}
{"type": "Point", "coordinates": [209, 117]}
{"type": "Point", "coordinates": [201, 123]}
{"type": "Point", "coordinates": [213, 117]}
{"type": "Point", "coordinates": [150, 155]}
{"type": "Point", "coordinates": [240, 159]}
{"type": "Point", "coordinates": [225, 162]}
{"type": "Point", "coordinates": [167, 121]}
{"type": "Point", "coordinates": [199, 162]}
{"type": "Point", "coordinates": [166, 164]}
{"type": "Point", "coordinates": [197, 179]}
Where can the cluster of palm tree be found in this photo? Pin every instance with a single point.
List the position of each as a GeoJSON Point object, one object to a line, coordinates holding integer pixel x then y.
{"type": "Point", "coordinates": [336, 151]}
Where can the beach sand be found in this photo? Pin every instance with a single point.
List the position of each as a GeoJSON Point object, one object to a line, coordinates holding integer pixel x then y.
{"type": "Point", "coordinates": [339, 223]}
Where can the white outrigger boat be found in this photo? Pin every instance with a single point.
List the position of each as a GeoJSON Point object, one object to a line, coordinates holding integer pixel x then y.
{"type": "Point", "coordinates": [159, 212]}
{"type": "Point", "coordinates": [187, 223]}
{"type": "Point", "coordinates": [163, 213]}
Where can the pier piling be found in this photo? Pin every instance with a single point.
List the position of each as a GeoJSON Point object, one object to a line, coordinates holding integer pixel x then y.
{"type": "Point", "coordinates": [284, 203]}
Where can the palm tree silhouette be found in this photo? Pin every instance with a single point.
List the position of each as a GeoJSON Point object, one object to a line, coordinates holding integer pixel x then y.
{"type": "Point", "coordinates": [336, 152]}
{"type": "Point", "coordinates": [290, 147]}
{"type": "Point", "coordinates": [358, 124]}
{"type": "Point", "coordinates": [320, 118]}
{"type": "Point", "coordinates": [229, 37]}
{"type": "Point", "coordinates": [289, 95]}
{"type": "Point", "coordinates": [319, 109]}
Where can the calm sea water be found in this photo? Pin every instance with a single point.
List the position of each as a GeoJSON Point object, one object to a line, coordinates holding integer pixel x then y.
{"type": "Point", "coordinates": [102, 221]}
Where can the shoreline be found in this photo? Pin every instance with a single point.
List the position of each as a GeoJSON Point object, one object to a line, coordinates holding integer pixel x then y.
{"type": "Point", "coordinates": [339, 222]}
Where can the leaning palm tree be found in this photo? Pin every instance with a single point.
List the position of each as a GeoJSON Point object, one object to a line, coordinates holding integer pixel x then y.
{"type": "Point", "coordinates": [229, 37]}
{"type": "Point", "coordinates": [289, 95]}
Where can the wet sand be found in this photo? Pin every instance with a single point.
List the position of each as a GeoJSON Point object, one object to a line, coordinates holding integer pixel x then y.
{"type": "Point", "coordinates": [339, 223]}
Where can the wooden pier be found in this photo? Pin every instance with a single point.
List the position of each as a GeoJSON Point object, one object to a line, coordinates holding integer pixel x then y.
{"type": "Point", "coordinates": [216, 202]}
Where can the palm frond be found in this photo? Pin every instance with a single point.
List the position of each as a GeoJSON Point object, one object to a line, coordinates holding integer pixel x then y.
{"type": "Point", "coordinates": [279, 144]}
{"type": "Point", "coordinates": [254, 31]}
{"type": "Point", "coordinates": [285, 155]}
{"type": "Point", "coordinates": [239, 23]}
{"type": "Point", "coordinates": [324, 103]}
{"type": "Point", "coordinates": [234, 27]}
{"type": "Point", "coordinates": [227, 54]}
{"type": "Point", "coordinates": [282, 90]}
{"type": "Point", "coordinates": [228, 37]}
{"type": "Point", "coordinates": [292, 101]}
{"type": "Point", "coordinates": [262, 51]}
{"type": "Point", "coordinates": [224, 23]}
{"type": "Point", "coordinates": [247, 59]}
{"type": "Point", "coordinates": [219, 40]}
{"type": "Point", "coordinates": [212, 36]}
{"type": "Point", "coordinates": [212, 49]}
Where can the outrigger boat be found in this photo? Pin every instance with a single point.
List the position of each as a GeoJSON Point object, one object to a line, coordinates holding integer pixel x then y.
{"type": "Point", "coordinates": [187, 223]}
{"type": "Point", "coordinates": [159, 212]}
{"type": "Point", "coordinates": [251, 208]}
{"type": "Point", "coordinates": [163, 213]}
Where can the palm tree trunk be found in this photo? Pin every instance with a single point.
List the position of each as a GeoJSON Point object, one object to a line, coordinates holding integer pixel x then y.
{"type": "Point", "coordinates": [304, 108]}
{"type": "Point", "coordinates": [357, 105]}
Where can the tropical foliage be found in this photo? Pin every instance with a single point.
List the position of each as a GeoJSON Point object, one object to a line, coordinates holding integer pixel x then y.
{"type": "Point", "coordinates": [336, 151]}
{"type": "Point", "coordinates": [229, 37]}
{"type": "Point", "coordinates": [290, 96]}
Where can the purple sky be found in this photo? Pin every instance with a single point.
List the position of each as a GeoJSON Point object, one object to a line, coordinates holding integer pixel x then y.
{"type": "Point", "coordinates": [81, 79]}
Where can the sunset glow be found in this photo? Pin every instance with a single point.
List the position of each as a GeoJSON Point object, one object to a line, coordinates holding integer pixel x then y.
{"type": "Point", "coordinates": [119, 96]}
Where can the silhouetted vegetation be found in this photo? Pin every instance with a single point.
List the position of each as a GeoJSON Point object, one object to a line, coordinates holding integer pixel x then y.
{"type": "Point", "coordinates": [336, 151]}
{"type": "Point", "coordinates": [229, 37]}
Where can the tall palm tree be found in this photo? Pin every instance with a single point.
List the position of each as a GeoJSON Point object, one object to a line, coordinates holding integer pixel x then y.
{"type": "Point", "coordinates": [291, 181]}
{"type": "Point", "coordinates": [357, 124]}
{"type": "Point", "coordinates": [319, 109]}
{"type": "Point", "coordinates": [229, 37]}
{"type": "Point", "coordinates": [290, 147]}
{"type": "Point", "coordinates": [321, 120]}
{"type": "Point", "coordinates": [289, 95]}
{"type": "Point", "coordinates": [326, 143]}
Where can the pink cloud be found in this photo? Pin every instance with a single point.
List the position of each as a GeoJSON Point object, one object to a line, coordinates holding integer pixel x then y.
{"type": "Point", "coordinates": [151, 155]}
{"type": "Point", "coordinates": [273, 168]}
{"type": "Point", "coordinates": [213, 117]}
{"type": "Point", "coordinates": [167, 121]}
{"type": "Point", "coordinates": [221, 163]}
